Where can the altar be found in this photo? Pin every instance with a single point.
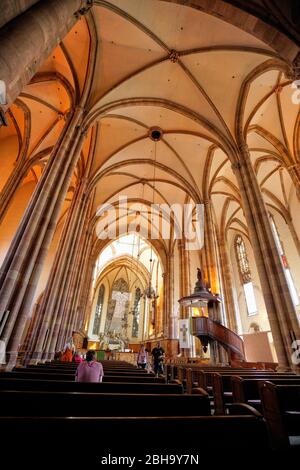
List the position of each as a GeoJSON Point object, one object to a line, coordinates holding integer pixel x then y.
{"type": "Point", "coordinates": [125, 356]}
{"type": "Point", "coordinates": [108, 354]}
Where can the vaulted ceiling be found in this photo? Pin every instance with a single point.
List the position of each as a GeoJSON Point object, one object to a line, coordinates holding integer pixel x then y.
{"type": "Point", "coordinates": [204, 82]}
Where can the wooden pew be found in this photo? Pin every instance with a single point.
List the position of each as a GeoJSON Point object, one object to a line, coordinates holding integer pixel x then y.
{"type": "Point", "coordinates": [246, 390]}
{"type": "Point", "coordinates": [222, 386]}
{"type": "Point", "coordinates": [160, 436]}
{"type": "Point", "coordinates": [104, 387]}
{"type": "Point", "coordinates": [37, 403]}
{"type": "Point", "coordinates": [45, 370]}
{"type": "Point", "coordinates": [281, 410]}
{"type": "Point", "coordinates": [147, 378]}
{"type": "Point", "coordinates": [206, 377]}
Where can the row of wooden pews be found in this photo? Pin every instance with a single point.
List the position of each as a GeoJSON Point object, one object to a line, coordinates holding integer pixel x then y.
{"type": "Point", "coordinates": [131, 412]}
{"type": "Point", "coordinates": [275, 395]}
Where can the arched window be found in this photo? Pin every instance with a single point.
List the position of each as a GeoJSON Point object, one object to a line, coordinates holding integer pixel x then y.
{"type": "Point", "coordinates": [245, 275]}
{"type": "Point", "coordinates": [98, 312]}
{"type": "Point", "coordinates": [285, 264]}
{"type": "Point", "coordinates": [117, 310]}
{"type": "Point", "coordinates": [136, 313]}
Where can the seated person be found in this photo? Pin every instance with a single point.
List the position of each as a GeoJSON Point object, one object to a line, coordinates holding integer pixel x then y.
{"type": "Point", "coordinates": [89, 370]}
{"type": "Point", "coordinates": [77, 357]}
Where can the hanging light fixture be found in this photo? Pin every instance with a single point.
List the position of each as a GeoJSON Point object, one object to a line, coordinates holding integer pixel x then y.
{"type": "Point", "coordinates": [155, 134]}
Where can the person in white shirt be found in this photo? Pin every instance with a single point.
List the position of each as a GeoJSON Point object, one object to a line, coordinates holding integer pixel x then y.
{"type": "Point", "coordinates": [142, 357]}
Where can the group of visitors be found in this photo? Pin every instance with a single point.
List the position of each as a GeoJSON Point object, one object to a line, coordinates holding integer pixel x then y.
{"type": "Point", "coordinates": [90, 370]}
{"type": "Point", "coordinates": [69, 353]}
{"type": "Point", "coordinates": [157, 353]}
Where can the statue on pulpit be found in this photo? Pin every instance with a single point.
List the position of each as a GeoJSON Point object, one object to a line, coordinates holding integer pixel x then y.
{"type": "Point", "coordinates": [199, 286]}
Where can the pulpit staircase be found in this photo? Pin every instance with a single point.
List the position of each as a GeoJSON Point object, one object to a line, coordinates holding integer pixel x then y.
{"type": "Point", "coordinates": [208, 330]}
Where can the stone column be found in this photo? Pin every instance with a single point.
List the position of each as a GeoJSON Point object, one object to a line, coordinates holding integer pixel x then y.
{"type": "Point", "coordinates": [65, 323]}
{"type": "Point", "coordinates": [22, 266]}
{"type": "Point", "coordinates": [182, 281]}
{"type": "Point", "coordinates": [18, 174]}
{"type": "Point", "coordinates": [294, 172]}
{"type": "Point", "coordinates": [56, 290]}
{"type": "Point", "coordinates": [29, 39]}
{"type": "Point", "coordinates": [227, 292]}
{"type": "Point", "coordinates": [279, 305]}
{"type": "Point", "coordinates": [84, 281]}
{"type": "Point", "coordinates": [12, 8]}
{"type": "Point", "coordinates": [293, 232]}
{"type": "Point", "coordinates": [21, 169]}
{"type": "Point", "coordinates": [165, 304]}
{"type": "Point", "coordinates": [85, 306]}
{"type": "Point", "coordinates": [172, 316]}
{"type": "Point", "coordinates": [210, 248]}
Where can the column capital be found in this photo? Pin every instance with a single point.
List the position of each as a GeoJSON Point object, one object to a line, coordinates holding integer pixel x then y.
{"type": "Point", "coordinates": [294, 166]}
{"type": "Point", "coordinates": [85, 7]}
{"type": "Point", "coordinates": [236, 166]}
{"type": "Point", "coordinates": [207, 202]}
{"type": "Point", "coordinates": [243, 148]}
{"type": "Point", "coordinates": [84, 132]}
{"type": "Point", "coordinates": [293, 72]}
{"type": "Point", "coordinates": [181, 243]}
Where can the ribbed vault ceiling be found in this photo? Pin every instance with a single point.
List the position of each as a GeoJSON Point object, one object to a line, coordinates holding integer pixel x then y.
{"type": "Point", "coordinates": [204, 82]}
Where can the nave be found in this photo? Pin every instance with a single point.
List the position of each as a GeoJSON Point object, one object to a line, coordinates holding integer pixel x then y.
{"type": "Point", "coordinates": [149, 192]}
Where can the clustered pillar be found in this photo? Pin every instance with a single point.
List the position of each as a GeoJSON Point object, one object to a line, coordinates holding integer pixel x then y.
{"type": "Point", "coordinates": [279, 305]}
{"type": "Point", "coordinates": [27, 41]}
{"type": "Point", "coordinates": [24, 261]}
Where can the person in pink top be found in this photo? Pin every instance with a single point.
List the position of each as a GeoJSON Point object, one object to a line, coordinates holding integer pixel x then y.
{"type": "Point", "coordinates": [89, 370]}
{"type": "Point", "coordinates": [77, 357]}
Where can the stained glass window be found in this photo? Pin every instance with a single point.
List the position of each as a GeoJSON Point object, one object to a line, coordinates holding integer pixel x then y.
{"type": "Point", "coordinates": [98, 311]}
{"type": "Point", "coordinates": [136, 312]}
{"type": "Point", "coordinates": [242, 259]}
{"type": "Point", "coordinates": [287, 272]}
{"type": "Point", "coordinates": [245, 275]}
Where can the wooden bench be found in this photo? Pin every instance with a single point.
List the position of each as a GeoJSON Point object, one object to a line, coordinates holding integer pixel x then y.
{"type": "Point", "coordinates": [146, 378]}
{"type": "Point", "coordinates": [222, 387]}
{"type": "Point", "coordinates": [281, 409]}
{"type": "Point", "coordinates": [246, 390]}
{"type": "Point", "coordinates": [37, 403]}
{"type": "Point", "coordinates": [206, 378]}
{"type": "Point", "coordinates": [45, 370]}
{"type": "Point", "coordinates": [104, 387]}
{"type": "Point", "coordinates": [57, 437]}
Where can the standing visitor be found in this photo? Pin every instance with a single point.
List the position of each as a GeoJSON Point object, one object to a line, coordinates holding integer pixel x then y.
{"type": "Point", "coordinates": [142, 357]}
{"type": "Point", "coordinates": [68, 351]}
{"type": "Point", "coordinates": [158, 357]}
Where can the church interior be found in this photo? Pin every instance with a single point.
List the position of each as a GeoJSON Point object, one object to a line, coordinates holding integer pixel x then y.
{"type": "Point", "coordinates": [149, 191]}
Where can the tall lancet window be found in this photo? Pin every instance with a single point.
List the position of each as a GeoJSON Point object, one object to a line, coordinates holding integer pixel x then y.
{"type": "Point", "coordinates": [285, 264]}
{"type": "Point", "coordinates": [245, 275]}
{"type": "Point", "coordinates": [98, 311]}
{"type": "Point", "coordinates": [136, 312]}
